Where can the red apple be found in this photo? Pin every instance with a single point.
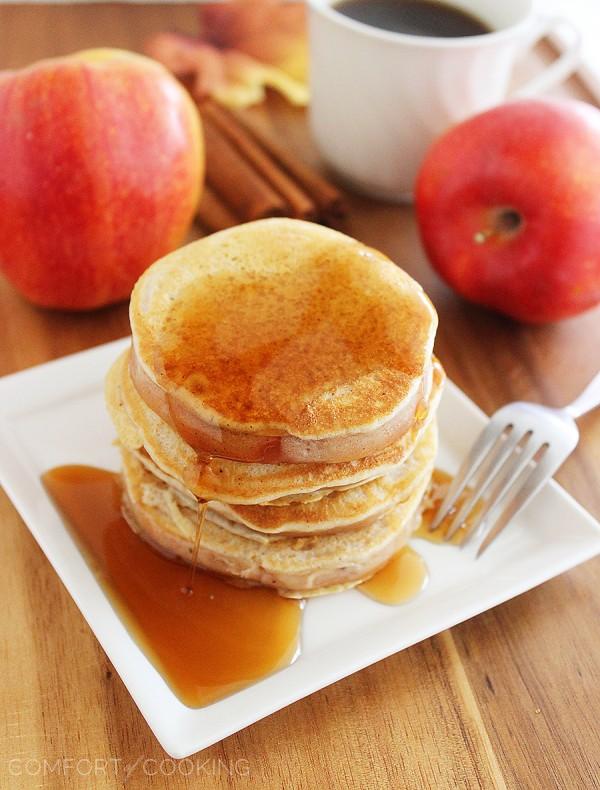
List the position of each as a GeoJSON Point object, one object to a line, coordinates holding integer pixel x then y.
{"type": "Point", "coordinates": [508, 205]}
{"type": "Point", "coordinates": [101, 171]}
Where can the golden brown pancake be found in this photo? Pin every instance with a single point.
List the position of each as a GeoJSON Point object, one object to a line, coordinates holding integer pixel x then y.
{"type": "Point", "coordinates": [281, 340]}
{"type": "Point", "coordinates": [235, 481]}
{"type": "Point", "coordinates": [295, 566]}
{"type": "Point", "coordinates": [335, 511]}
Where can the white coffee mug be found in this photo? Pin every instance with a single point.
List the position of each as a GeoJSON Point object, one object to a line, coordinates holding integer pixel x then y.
{"type": "Point", "coordinates": [379, 98]}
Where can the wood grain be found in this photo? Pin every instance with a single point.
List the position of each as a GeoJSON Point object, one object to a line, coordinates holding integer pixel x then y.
{"type": "Point", "coordinates": [508, 699]}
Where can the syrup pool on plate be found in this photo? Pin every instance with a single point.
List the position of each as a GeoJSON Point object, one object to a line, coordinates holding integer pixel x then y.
{"type": "Point", "coordinates": [207, 642]}
{"type": "Point", "coordinates": [440, 481]}
{"type": "Point", "coordinates": [208, 638]}
{"type": "Point", "coordinates": [401, 579]}
{"type": "Point", "coordinates": [405, 575]}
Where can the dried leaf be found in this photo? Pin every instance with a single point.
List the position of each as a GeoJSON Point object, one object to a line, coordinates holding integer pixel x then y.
{"type": "Point", "coordinates": [243, 48]}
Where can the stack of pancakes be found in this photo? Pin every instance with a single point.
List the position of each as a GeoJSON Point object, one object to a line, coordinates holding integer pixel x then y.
{"type": "Point", "coordinates": [283, 373]}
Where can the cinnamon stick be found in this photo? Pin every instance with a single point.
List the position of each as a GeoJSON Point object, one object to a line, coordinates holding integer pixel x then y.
{"type": "Point", "coordinates": [328, 199]}
{"type": "Point", "coordinates": [213, 213]}
{"type": "Point", "coordinates": [234, 179]}
{"type": "Point", "coordinates": [301, 205]}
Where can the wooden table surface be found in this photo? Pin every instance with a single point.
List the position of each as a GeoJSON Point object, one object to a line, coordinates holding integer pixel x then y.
{"type": "Point", "coordinates": [507, 699]}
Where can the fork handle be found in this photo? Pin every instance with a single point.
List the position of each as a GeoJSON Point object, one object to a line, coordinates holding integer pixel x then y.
{"type": "Point", "coordinates": [588, 400]}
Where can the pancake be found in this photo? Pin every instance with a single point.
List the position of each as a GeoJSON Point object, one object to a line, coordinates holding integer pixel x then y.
{"type": "Point", "coordinates": [335, 512]}
{"type": "Point", "coordinates": [282, 373]}
{"type": "Point", "coordinates": [295, 566]}
{"type": "Point", "coordinates": [235, 482]}
{"type": "Point", "coordinates": [282, 341]}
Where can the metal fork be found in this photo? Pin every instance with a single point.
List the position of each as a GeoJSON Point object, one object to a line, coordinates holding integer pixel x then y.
{"type": "Point", "coordinates": [520, 449]}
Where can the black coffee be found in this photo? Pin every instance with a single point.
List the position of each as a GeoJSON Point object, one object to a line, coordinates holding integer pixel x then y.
{"type": "Point", "coordinates": [414, 17]}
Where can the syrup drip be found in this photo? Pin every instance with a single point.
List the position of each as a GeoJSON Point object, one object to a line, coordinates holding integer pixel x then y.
{"type": "Point", "coordinates": [401, 579]}
{"type": "Point", "coordinates": [202, 505]}
{"type": "Point", "coordinates": [199, 475]}
{"type": "Point", "coordinates": [206, 645]}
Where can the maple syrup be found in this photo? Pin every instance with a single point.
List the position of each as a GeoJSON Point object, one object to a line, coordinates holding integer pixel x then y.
{"type": "Point", "coordinates": [254, 347]}
{"type": "Point", "coordinates": [207, 644]}
{"type": "Point", "coordinates": [201, 506]}
{"type": "Point", "coordinates": [405, 575]}
{"type": "Point", "coordinates": [401, 579]}
{"type": "Point", "coordinates": [208, 638]}
{"type": "Point", "coordinates": [440, 481]}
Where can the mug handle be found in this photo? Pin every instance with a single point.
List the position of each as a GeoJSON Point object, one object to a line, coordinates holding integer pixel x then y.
{"type": "Point", "coordinates": [562, 67]}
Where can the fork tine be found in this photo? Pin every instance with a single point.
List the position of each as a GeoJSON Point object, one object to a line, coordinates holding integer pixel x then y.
{"type": "Point", "coordinates": [519, 493]}
{"type": "Point", "coordinates": [496, 465]}
{"type": "Point", "coordinates": [503, 483]}
{"type": "Point", "coordinates": [486, 440]}
{"type": "Point", "coordinates": [473, 525]}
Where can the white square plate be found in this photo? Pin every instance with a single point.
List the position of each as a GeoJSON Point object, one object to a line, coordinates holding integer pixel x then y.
{"type": "Point", "coordinates": [54, 414]}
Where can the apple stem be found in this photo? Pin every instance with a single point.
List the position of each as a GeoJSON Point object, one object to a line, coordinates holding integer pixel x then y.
{"type": "Point", "coordinates": [506, 222]}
